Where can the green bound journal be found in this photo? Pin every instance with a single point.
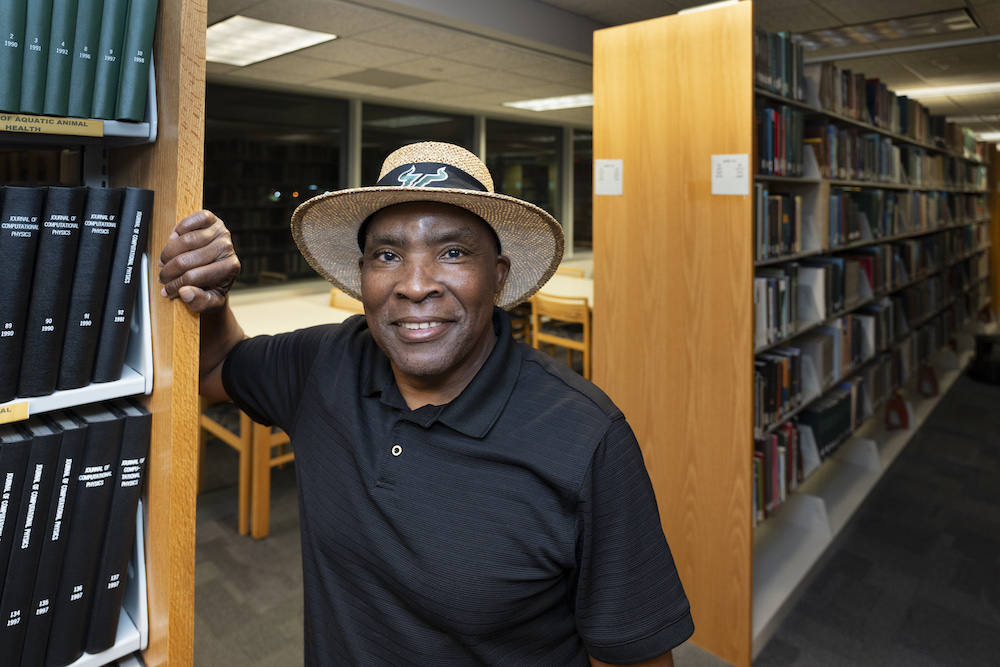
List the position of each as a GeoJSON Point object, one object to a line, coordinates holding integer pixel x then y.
{"type": "Point", "coordinates": [84, 57]}
{"type": "Point", "coordinates": [109, 58]}
{"type": "Point", "coordinates": [12, 15]}
{"type": "Point", "coordinates": [58, 62]}
{"type": "Point", "coordinates": [136, 58]}
{"type": "Point", "coordinates": [36, 42]}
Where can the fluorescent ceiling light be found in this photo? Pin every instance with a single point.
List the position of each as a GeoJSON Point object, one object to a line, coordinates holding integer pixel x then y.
{"type": "Point", "coordinates": [987, 118]}
{"type": "Point", "coordinates": [949, 91]}
{"type": "Point", "coordinates": [240, 40]}
{"type": "Point", "coordinates": [988, 136]}
{"type": "Point", "coordinates": [554, 103]}
{"type": "Point", "coordinates": [880, 32]}
{"type": "Point", "coordinates": [711, 5]}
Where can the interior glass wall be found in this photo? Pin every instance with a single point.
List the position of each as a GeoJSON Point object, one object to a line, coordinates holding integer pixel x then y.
{"type": "Point", "coordinates": [524, 161]}
{"type": "Point", "coordinates": [384, 129]}
{"type": "Point", "coordinates": [265, 153]}
{"type": "Point", "coordinates": [583, 190]}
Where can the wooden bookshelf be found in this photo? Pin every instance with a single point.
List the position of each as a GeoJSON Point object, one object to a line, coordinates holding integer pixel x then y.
{"type": "Point", "coordinates": [173, 168]}
{"type": "Point", "coordinates": [674, 323]}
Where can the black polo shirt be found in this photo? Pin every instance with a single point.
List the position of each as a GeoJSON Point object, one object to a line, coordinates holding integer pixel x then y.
{"type": "Point", "coordinates": [515, 525]}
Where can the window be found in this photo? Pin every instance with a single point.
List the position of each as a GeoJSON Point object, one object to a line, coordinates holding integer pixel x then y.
{"type": "Point", "coordinates": [524, 161]}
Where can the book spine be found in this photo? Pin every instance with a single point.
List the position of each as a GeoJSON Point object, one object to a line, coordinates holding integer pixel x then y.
{"type": "Point", "coordinates": [59, 62]}
{"type": "Point", "coordinates": [15, 448]}
{"type": "Point", "coordinates": [85, 43]}
{"type": "Point", "coordinates": [38, 23]}
{"type": "Point", "coordinates": [57, 521]}
{"type": "Point", "coordinates": [137, 210]}
{"type": "Point", "coordinates": [45, 326]}
{"type": "Point", "coordinates": [22, 208]}
{"type": "Point", "coordinates": [109, 58]}
{"type": "Point", "coordinates": [120, 533]}
{"type": "Point", "coordinates": [28, 537]}
{"type": "Point", "coordinates": [90, 283]}
{"type": "Point", "coordinates": [12, 19]}
{"type": "Point", "coordinates": [86, 532]}
{"type": "Point", "coordinates": [136, 57]}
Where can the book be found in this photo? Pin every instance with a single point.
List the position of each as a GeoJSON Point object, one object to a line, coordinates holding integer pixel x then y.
{"type": "Point", "coordinates": [109, 46]}
{"type": "Point", "coordinates": [59, 62]}
{"type": "Point", "coordinates": [45, 324]}
{"type": "Point", "coordinates": [22, 207]}
{"type": "Point", "coordinates": [12, 17]}
{"type": "Point", "coordinates": [28, 535]}
{"type": "Point", "coordinates": [123, 284]}
{"type": "Point", "coordinates": [15, 447]}
{"type": "Point", "coordinates": [84, 57]}
{"type": "Point", "coordinates": [86, 531]}
{"type": "Point", "coordinates": [90, 283]}
{"type": "Point", "coordinates": [137, 55]}
{"type": "Point", "coordinates": [53, 548]}
{"type": "Point", "coordinates": [121, 525]}
{"type": "Point", "coordinates": [37, 24]}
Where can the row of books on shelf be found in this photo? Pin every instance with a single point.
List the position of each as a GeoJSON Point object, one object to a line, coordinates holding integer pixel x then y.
{"type": "Point", "coordinates": [70, 262]}
{"type": "Point", "coordinates": [795, 296]}
{"type": "Point", "coordinates": [780, 130]}
{"type": "Point", "coordinates": [786, 221]}
{"type": "Point", "coordinates": [846, 153]}
{"type": "Point", "coordinates": [72, 481]}
{"type": "Point", "coordinates": [778, 63]}
{"type": "Point", "coordinates": [77, 58]}
{"type": "Point", "coordinates": [788, 449]}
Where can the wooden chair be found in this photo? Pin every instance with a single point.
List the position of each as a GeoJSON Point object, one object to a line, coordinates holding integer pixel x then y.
{"type": "Point", "coordinates": [570, 271]}
{"type": "Point", "coordinates": [254, 443]}
{"type": "Point", "coordinates": [564, 322]}
{"type": "Point", "coordinates": [520, 322]}
{"type": "Point", "coordinates": [340, 300]}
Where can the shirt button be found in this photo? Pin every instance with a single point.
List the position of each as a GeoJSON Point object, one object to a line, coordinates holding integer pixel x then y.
{"type": "Point", "coordinates": [396, 450]}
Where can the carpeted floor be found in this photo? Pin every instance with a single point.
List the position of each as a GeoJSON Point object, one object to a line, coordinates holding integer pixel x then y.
{"type": "Point", "coordinates": [914, 579]}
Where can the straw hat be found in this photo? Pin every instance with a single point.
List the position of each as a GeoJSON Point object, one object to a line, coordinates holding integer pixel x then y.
{"type": "Point", "coordinates": [326, 227]}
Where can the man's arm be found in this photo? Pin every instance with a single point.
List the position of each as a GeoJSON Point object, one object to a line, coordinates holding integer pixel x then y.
{"type": "Point", "coordinates": [665, 660]}
{"type": "Point", "coordinates": [199, 265]}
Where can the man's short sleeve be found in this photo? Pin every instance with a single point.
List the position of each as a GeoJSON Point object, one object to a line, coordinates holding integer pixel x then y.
{"type": "Point", "coordinates": [265, 375]}
{"type": "Point", "coordinates": [630, 605]}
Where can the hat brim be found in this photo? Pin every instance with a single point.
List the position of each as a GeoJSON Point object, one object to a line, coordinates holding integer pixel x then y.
{"type": "Point", "coordinates": [325, 228]}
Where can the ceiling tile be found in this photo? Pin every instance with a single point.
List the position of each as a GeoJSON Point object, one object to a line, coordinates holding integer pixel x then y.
{"type": "Point", "coordinates": [562, 71]}
{"type": "Point", "coordinates": [850, 12]}
{"type": "Point", "coordinates": [799, 18]}
{"type": "Point", "coordinates": [353, 52]}
{"type": "Point", "coordinates": [219, 68]}
{"type": "Point", "coordinates": [988, 17]}
{"type": "Point", "coordinates": [223, 9]}
{"type": "Point", "coordinates": [440, 68]}
{"type": "Point", "coordinates": [340, 18]}
{"type": "Point", "coordinates": [976, 104]}
{"type": "Point", "coordinates": [505, 81]}
{"type": "Point", "coordinates": [290, 69]}
{"type": "Point", "coordinates": [424, 38]}
{"type": "Point", "coordinates": [956, 65]}
{"type": "Point", "coordinates": [506, 58]}
{"type": "Point", "coordinates": [437, 90]}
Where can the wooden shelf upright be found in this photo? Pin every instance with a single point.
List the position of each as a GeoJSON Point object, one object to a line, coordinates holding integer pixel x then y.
{"type": "Point", "coordinates": [673, 317]}
{"type": "Point", "coordinates": [172, 167]}
{"type": "Point", "coordinates": [673, 330]}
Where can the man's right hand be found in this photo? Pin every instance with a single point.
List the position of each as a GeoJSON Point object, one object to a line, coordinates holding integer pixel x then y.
{"type": "Point", "coordinates": [199, 264]}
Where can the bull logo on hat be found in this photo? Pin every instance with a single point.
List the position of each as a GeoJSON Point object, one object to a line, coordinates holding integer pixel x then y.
{"type": "Point", "coordinates": [410, 178]}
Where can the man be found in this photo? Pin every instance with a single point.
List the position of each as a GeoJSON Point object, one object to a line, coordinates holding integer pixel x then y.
{"type": "Point", "coordinates": [463, 498]}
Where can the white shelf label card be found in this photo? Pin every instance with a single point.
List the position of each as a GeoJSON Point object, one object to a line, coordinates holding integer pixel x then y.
{"type": "Point", "coordinates": [608, 177]}
{"type": "Point", "coordinates": [731, 174]}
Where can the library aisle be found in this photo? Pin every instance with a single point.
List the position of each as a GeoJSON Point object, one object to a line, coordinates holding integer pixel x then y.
{"type": "Point", "coordinates": [911, 581]}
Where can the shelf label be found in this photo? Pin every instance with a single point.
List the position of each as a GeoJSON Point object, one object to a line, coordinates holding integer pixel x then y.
{"type": "Point", "coordinates": [80, 127]}
{"type": "Point", "coordinates": [608, 177]}
{"type": "Point", "coordinates": [13, 412]}
{"type": "Point", "coordinates": [731, 174]}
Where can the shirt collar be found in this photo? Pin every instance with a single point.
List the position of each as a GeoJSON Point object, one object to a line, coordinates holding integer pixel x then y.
{"type": "Point", "coordinates": [480, 404]}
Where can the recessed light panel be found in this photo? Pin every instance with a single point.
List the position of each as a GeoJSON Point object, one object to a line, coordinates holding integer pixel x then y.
{"type": "Point", "coordinates": [240, 40]}
{"type": "Point", "coordinates": [880, 32]}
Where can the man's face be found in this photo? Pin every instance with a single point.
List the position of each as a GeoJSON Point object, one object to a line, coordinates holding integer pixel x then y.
{"type": "Point", "coordinates": [429, 276]}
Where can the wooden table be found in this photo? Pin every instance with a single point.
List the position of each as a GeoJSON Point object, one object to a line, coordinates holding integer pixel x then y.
{"type": "Point", "coordinates": [561, 285]}
{"type": "Point", "coordinates": [269, 311]}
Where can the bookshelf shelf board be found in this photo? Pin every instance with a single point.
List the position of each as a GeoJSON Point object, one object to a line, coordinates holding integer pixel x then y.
{"type": "Point", "coordinates": [849, 183]}
{"type": "Point", "coordinates": [832, 493]}
{"type": "Point", "coordinates": [861, 304]}
{"type": "Point", "coordinates": [832, 115]}
{"type": "Point", "coordinates": [773, 178]}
